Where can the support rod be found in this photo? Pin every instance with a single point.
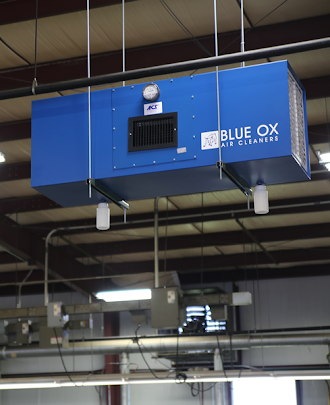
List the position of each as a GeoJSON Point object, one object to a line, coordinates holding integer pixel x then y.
{"type": "Point", "coordinates": [156, 247]}
{"type": "Point", "coordinates": [168, 344]}
{"type": "Point", "coordinates": [171, 68]}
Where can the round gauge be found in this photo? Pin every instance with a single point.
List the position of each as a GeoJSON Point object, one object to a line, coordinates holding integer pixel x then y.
{"type": "Point", "coordinates": [151, 92]}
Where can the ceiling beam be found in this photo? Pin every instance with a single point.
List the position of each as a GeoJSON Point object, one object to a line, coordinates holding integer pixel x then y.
{"type": "Point", "coordinates": [164, 53]}
{"type": "Point", "coordinates": [29, 247]}
{"type": "Point", "coordinates": [319, 133]}
{"type": "Point", "coordinates": [317, 87]}
{"type": "Point", "coordinates": [223, 262]}
{"type": "Point", "coordinates": [15, 130]}
{"type": "Point", "coordinates": [27, 204]}
{"type": "Point", "coordinates": [255, 273]}
{"type": "Point", "coordinates": [301, 205]}
{"type": "Point", "coordinates": [228, 238]}
{"type": "Point", "coordinates": [15, 171]}
{"type": "Point", "coordinates": [23, 10]}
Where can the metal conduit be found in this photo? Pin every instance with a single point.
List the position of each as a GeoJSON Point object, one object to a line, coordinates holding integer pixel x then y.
{"type": "Point", "coordinates": [169, 69]}
{"type": "Point", "coordinates": [169, 344]}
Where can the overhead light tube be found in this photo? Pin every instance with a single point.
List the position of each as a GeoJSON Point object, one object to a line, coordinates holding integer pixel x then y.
{"type": "Point", "coordinates": [103, 216]}
{"type": "Point", "coordinates": [324, 158]}
{"type": "Point", "coordinates": [124, 295]}
{"type": "Point", "coordinates": [260, 196]}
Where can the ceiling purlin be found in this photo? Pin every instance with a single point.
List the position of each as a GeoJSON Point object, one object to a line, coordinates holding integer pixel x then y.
{"type": "Point", "coordinates": [255, 273]}
{"type": "Point", "coordinates": [24, 10]}
{"type": "Point", "coordinates": [228, 238]}
{"type": "Point", "coordinates": [31, 248]}
{"type": "Point", "coordinates": [26, 204]}
{"type": "Point", "coordinates": [318, 203]}
{"type": "Point", "coordinates": [15, 171]}
{"type": "Point", "coordinates": [165, 53]}
{"type": "Point", "coordinates": [15, 130]}
{"type": "Point", "coordinates": [219, 262]}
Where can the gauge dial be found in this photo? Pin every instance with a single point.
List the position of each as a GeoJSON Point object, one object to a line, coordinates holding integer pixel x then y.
{"type": "Point", "coordinates": [151, 92]}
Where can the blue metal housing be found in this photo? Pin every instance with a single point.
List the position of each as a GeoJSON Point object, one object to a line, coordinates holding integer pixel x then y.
{"type": "Point", "coordinates": [263, 137]}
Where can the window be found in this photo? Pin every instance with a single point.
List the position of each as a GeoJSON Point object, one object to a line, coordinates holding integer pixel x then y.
{"type": "Point", "coordinates": [261, 391]}
{"type": "Point", "coordinates": [199, 319]}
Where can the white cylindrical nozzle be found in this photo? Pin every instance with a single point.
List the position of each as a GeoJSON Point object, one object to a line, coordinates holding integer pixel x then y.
{"type": "Point", "coordinates": [102, 216]}
{"type": "Point", "coordinates": [261, 199]}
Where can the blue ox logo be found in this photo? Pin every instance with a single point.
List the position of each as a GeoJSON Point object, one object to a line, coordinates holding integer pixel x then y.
{"type": "Point", "coordinates": [152, 107]}
{"type": "Point", "coordinates": [211, 140]}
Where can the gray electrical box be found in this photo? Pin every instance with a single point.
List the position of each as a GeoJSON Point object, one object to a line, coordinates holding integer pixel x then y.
{"type": "Point", "coordinates": [47, 337]}
{"type": "Point", "coordinates": [19, 332]}
{"type": "Point", "coordinates": [55, 315]}
{"type": "Point", "coordinates": [166, 312]}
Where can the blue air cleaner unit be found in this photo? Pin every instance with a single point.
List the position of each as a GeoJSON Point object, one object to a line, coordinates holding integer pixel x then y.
{"type": "Point", "coordinates": [143, 149]}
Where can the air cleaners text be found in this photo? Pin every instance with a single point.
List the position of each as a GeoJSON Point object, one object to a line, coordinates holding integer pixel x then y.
{"type": "Point", "coordinates": [241, 136]}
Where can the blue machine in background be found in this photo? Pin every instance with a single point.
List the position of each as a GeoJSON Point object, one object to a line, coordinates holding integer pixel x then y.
{"type": "Point", "coordinates": [171, 146]}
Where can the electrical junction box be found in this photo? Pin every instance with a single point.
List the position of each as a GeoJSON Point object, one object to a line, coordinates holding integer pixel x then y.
{"type": "Point", "coordinates": [19, 332]}
{"type": "Point", "coordinates": [47, 336]}
{"type": "Point", "coordinates": [55, 316]}
{"type": "Point", "coordinates": [166, 312]}
{"type": "Point", "coordinates": [138, 154]}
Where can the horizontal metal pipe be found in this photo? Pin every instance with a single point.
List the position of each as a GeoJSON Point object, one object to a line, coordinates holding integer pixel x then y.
{"type": "Point", "coordinates": [170, 68]}
{"type": "Point", "coordinates": [169, 344]}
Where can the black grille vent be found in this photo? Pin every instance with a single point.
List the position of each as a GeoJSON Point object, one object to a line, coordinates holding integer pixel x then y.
{"type": "Point", "coordinates": [153, 132]}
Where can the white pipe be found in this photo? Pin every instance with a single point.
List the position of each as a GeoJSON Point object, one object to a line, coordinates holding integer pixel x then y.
{"type": "Point", "coordinates": [69, 228]}
{"type": "Point", "coordinates": [124, 389]}
{"type": "Point", "coordinates": [163, 378]}
{"type": "Point", "coordinates": [20, 287]}
{"type": "Point", "coordinates": [219, 387]}
{"type": "Point", "coordinates": [163, 344]}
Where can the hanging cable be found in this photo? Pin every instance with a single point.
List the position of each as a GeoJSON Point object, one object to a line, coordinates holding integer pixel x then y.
{"type": "Point", "coordinates": [124, 62]}
{"type": "Point", "coordinates": [242, 31]}
{"type": "Point", "coordinates": [16, 53]}
{"type": "Point", "coordinates": [165, 247]}
{"type": "Point", "coordinates": [183, 27]}
{"type": "Point", "coordinates": [326, 113]}
{"type": "Point", "coordinates": [217, 81]}
{"type": "Point", "coordinates": [59, 350]}
{"type": "Point", "coordinates": [35, 83]}
{"type": "Point", "coordinates": [89, 107]}
{"type": "Point", "coordinates": [257, 23]}
{"type": "Point", "coordinates": [202, 242]}
{"type": "Point", "coordinates": [141, 352]}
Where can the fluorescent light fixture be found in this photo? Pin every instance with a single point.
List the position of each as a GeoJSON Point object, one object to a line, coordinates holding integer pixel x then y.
{"type": "Point", "coordinates": [194, 309]}
{"type": "Point", "coordinates": [2, 157]}
{"type": "Point", "coordinates": [26, 385]}
{"type": "Point", "coordinates": [124, 295]}
{"type": "Point", "coordinates": [325, 159]}
{"type": "Point", "coordinates": [164, 378]}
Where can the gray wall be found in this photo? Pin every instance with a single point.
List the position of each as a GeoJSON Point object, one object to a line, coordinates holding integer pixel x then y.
{"type": "Point", "coordinates": [286, 303]}
{"type": "Point", "coordinates": [79, 395]}
{"type": "Point", "coordinates": [276, 304]}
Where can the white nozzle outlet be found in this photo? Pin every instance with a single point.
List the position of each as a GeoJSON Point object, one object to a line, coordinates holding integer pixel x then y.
{"type": "Point", "coordinates": [261, 205]}
{"type": "Point", "coordinates": [102, 216]}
